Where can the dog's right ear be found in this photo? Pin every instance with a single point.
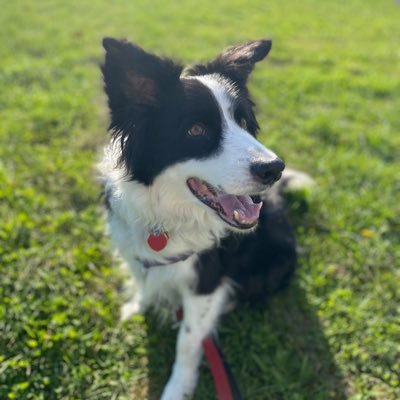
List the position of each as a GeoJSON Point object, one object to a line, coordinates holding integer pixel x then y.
{"type": "Point", "coordinates": [134, 78]}
{"type": "Point", "coordinates": [236, 62]}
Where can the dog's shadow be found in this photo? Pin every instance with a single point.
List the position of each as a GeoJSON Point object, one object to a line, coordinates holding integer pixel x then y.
{"type": "Point", "coordinates": [275, 352]}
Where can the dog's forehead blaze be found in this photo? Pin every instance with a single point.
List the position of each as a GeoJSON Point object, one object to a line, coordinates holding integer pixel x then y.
{"type": "Point", "coordinates": [196, 93]}
{"type": "Point", "coordinates": [210, 92]}
{"type": "Point", "coordinates": [224, 92]}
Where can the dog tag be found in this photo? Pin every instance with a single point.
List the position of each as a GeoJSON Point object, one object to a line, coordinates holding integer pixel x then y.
{"type": "Point", "coordinates": [157, 241]}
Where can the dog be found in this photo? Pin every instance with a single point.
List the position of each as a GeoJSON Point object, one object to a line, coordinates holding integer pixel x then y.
{"type": "Point", "coordinates": [194, 201]}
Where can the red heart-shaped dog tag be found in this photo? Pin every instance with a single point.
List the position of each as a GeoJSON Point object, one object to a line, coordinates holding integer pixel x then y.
{"type": "Point", "coordinates": [157, 242]}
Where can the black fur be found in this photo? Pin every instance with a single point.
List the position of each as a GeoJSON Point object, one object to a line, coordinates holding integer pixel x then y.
{"type": "Point", "coordinates": [260, 263]}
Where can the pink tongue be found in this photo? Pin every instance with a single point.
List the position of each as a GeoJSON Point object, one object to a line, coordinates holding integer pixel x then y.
{"type": "Point", "coordinates": [248, 212]}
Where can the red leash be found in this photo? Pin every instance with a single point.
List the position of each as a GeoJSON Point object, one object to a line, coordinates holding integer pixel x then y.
{"type": "Point", "coordinates": [218, 372]}
{"type": "Point", "coordinates": [222, 377]}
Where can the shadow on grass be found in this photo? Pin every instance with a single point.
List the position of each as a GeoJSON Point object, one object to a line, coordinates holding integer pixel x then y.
{"type": "Point", "coordinates": [276, 352]}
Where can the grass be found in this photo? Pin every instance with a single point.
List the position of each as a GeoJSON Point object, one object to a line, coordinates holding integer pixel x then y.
{"type": "Point", "coordinates": [328, 102]}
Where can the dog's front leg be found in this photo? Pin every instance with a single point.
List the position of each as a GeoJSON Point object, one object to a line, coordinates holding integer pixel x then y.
{"type": "Point", "coordinates": [201, 314]}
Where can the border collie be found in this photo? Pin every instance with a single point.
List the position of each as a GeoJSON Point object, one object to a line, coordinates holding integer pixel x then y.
{"type": "Point", "coordinates": [194, 205]}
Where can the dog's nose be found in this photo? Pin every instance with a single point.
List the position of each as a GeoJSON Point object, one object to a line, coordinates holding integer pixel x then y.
{"type": "Point", "coordinates": [267, 172]}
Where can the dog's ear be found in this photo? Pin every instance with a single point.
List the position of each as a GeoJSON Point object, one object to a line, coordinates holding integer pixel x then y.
{"type": "Point", "coordinates": [134, 78]}
{"type": "Point", "coordinates": [236, 62]}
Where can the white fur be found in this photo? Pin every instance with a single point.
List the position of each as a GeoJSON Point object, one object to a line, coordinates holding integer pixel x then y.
{"type": "Point", "coordinates": [201, 314]}
{"type": "Point", "coordinates": [192, 227]}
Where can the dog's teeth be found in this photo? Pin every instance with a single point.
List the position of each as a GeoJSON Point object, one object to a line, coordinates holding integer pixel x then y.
{"type": "Point", "coordinates": [236, 215]}
{"type": "Point", "coordinates": [204, 187]}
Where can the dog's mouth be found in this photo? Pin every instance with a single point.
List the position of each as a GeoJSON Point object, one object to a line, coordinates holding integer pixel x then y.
{"type": "Point", "coordinates": [241, 212]}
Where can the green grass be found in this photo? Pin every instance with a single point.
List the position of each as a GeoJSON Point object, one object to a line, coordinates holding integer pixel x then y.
{"type": "Point", "coordinates": [328, 102]}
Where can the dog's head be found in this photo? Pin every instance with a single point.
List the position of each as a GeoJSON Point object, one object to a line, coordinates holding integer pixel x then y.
{"type": "Point", "coordinates": [192, 133]}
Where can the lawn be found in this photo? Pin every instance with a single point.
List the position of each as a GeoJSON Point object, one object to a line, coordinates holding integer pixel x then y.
{"type": "Point", "coordinates": [328, 100]}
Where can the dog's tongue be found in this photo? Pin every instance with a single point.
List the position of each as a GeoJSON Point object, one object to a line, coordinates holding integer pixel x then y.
{"type": "Point", "coordinates": [240, 209]}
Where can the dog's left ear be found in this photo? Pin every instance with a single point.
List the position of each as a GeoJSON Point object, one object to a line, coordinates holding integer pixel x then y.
{"type": "Point", "coordinates": [236, 62]}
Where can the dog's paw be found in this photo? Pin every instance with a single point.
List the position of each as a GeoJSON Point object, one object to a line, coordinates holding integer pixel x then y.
{"type": "Point", "coordinates": [130, 309]}
{"type": "Point", "coordinates": [175, 393]}
{"type": "Point", "coordinates": [180, 386]}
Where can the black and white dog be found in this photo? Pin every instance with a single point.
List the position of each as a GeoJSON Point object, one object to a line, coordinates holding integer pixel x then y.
{"type": "Point", "coordinates": [191, 206]}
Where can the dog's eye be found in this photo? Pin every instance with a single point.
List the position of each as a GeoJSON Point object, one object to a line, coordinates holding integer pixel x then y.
{"type": "Point", "coordinates": [197, 130]}
{"type": "Point", "coordinates": [243, 123]}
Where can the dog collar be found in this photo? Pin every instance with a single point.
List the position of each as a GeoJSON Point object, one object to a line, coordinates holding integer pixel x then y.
{"type": "Point", "coordinates": [169, 260]}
